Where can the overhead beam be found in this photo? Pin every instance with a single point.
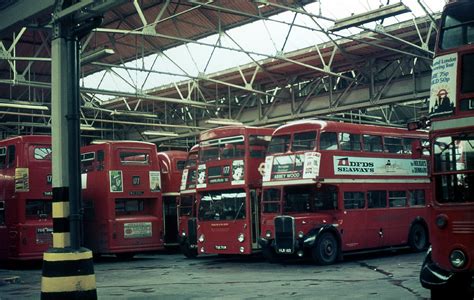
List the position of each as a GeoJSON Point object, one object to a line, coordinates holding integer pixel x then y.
{"type": "Point", "coordinates": [21, 12]}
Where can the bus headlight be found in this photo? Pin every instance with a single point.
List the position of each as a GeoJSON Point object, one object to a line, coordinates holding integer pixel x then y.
{"type": "Point", "coordinates": [300, 234]}
{"type": "Point", "coordinates": [242, 249]}
{"type": "Point", "coordinates": [441, 221]}
{"type": "Point", "coordinates": [241, 238]}
{"type": "Point", "coordinates": [268, 234]}
{"type": "Point", "coordinates": [183, 233]}
{"type": "Point", "coordinates": [457, 258]}
{"type": "Point", "coordinates": [202, 249]}
{"type": "Point", "coordinates": [201, 238]}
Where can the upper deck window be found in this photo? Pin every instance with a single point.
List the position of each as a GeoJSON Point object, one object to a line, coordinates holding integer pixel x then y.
{"type": "Point", "coordinates": [393, 145]}
{"type": "Point", "coordinates": [328, 141]}
{"type": "Point", "coordinates": [223, 148]}
{"type": "Point", "coordinates": [467, 74]}
{"type": "Point", "coordinates": [458, 26]}
{"type": "Point", "coordinates": [279, 144]}
{"type": "Point", "coordinates": [349, 141]}
{"type": "Point", "coordinates": [132, 158]}
{"type": "Point", "coordinates": [192, 160]}
{"type": "Point", "coordinates": [42, 153]}
{"type": "Point", "coordinates": [304, 141]}
{"type": "Point", "coordinates": [258, 145]}
{"type": "Point", "coordinates": [3, 156]}
{"type": "Point", "coordinates": [372, 143]}
{"type": "Point", "coordinates": [180, 164]}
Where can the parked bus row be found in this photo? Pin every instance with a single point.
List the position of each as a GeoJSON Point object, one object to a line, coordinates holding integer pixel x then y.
{"type": "Point", "coordinates": [129, 197]}
{"type": "Point", "coordinates": [309, 188]}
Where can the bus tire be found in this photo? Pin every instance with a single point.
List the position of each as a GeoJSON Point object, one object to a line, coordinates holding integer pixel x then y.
{"type": "Point", "coordinates": [269, 254]}
{"type": "Point", "coordinates": [418, 237]}
{"type": "Point", "coordinates": [187, 251]}
{"type": "Point", "coordinates": [326, 249]}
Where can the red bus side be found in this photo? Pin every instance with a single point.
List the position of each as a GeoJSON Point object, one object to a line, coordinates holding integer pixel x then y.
{"type": "Point", "coordinates": [25, 197]}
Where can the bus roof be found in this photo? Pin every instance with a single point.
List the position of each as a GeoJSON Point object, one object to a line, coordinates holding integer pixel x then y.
{"type": "Point", "coordinates": [167, 156]}
{"type": "Point", "coordinates": [232, 131]}
{"type": "Point", "coordinates": [332, 126]}
{"type": "Point", "coordinates": [44, 139]}
{"type": "Point", "coordinates": [115, 144]}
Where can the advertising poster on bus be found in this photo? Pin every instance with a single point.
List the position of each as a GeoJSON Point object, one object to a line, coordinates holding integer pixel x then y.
{"type": "Point", "coordinates": [21, 180]}
{"type": "Point", "coordinates": [443, 85]}
{"type": "Point", "coordinates": [238, 172]}
{"type": "Point", "coordinates": [155, 181]}
{"type": "Point", "coordinates": [268, 168]}
{"type": "Point", "coordinates": [201, 179]}
{"type": "Point", "coordinates": [116, 181]}
{"type": "Point", "coordinates": [312, 161]}
{"type": "Point", "coordinates": [184, 179]}
{"type": "Point", "coordinates": [371, 166]}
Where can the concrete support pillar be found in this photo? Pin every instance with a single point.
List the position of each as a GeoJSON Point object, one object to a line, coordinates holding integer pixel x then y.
{"type": "Point", "coordinates": [68, 271]}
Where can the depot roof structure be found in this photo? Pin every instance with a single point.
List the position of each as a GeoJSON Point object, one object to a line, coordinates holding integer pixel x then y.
{"type": "Point", "coordinates": [176, 68]}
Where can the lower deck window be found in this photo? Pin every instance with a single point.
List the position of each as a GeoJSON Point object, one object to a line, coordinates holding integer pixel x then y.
{"type": "Point", "coordinates": [397, 198]}
{"type": "Point", "coordinates": [308, 198]}
{"type": "Point", "coordinates": [128, 206]}
{"type": "Point", "coordinates": [354, 200]}
{"type": "Point", "coordinates": [38, 209]}
{"type": "Point", "coordinates": [417, 198]}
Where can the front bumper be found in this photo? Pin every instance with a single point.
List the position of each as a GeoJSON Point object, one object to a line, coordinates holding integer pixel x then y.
{"type": "Point", "coordinates": [432, 276]}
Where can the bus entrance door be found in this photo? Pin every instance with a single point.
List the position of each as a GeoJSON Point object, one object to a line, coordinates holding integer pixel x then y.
{"type": "Point", "coordinates": [255, 214]}
{"type": "Point", "coordinates": [170, 219]}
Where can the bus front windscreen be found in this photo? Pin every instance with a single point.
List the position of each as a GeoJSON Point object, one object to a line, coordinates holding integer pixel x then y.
{"type": "Point", "coordinates": [458, 26]}
{"type": "Point", "coordinates": [222, 205]}
{"type": "Point", "coordinates": [309, 198]}
{"type": "Point", "coordinates": [454, 168]}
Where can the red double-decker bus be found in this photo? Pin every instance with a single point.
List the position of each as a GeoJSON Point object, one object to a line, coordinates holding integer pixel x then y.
{"type": "Point", "coordinates": [187, 223]}
{"type": "Point", "coordinates": [331, 188]}
{"type": "Point", "coordinates": [26, 224]}
{"type": "Point", "coordinates": [121, 190]}
{"type": "Point", "coordinates": [449, 266]}
{"type": "Point", "coordinates": [172, 165]}
{"type": "Point", "coordinates": [229, 178]}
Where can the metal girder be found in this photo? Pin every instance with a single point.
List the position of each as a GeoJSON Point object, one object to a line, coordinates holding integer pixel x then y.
{"type": "Point", "coordinates": [21, 12]}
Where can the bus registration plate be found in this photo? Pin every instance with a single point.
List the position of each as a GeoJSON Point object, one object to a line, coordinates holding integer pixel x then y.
{"type": "Point", "coordinates": [137, 230]}
{"type": "Point", "coordinates": [285, 250]}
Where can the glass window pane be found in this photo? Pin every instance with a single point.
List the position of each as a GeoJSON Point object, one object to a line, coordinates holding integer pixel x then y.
{"type": "Point", "coordinates": [354, 200]}
{"type": "Point", "coordinates": [304, 141]}
{"type": "Point", "coordinates": [349, 142]}
{"type": "Point", "coordinates": [372, 143]}
{"type": "Point", "coordinates": [279, 144]}
{"type": "Point", "coordinates": [393, 145]}
{"type": "Point", "coordinates": [397, 198]}
{"type": "Point", "coordinates": [376, 199]}
{"type": "Point", "coordinates": [417, 198]}
{"type": "Point", "coordinates": [222, 205]}
{"type": "Point", "coordinates": [328, 141]}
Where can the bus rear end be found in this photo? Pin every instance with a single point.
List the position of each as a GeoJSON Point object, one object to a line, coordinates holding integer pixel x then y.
{"type": "Point", "coordinates": [124, 215]}
{"type": "Point", "coordinates": [27, 197]}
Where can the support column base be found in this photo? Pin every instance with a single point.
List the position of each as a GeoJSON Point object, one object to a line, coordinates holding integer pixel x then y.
{"type": "Point", "coordinates": [68, 274]}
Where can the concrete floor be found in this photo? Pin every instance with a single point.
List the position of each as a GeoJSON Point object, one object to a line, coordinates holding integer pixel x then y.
{"type": "Point", "coordinates": [388, 275]}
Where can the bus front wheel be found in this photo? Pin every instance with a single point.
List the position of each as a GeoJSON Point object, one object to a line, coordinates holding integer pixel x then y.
{"type": "Point", "coordinates": [326, 250]}
{"type": "Point", "coordinates": [418, 238]}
